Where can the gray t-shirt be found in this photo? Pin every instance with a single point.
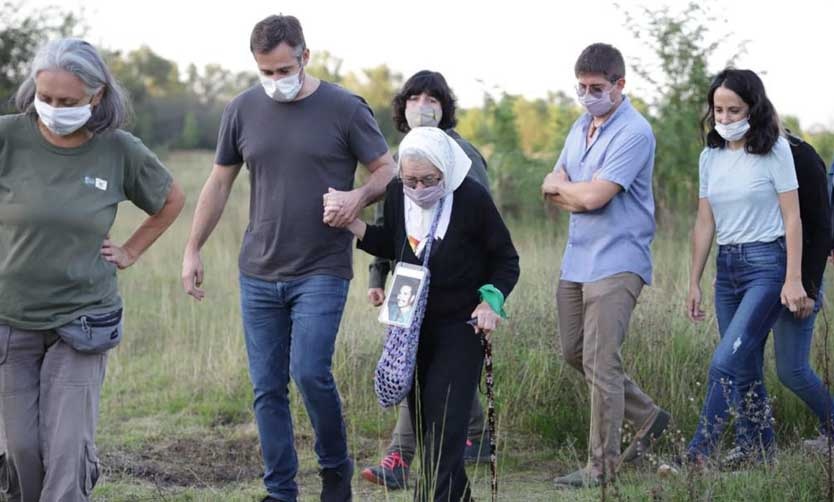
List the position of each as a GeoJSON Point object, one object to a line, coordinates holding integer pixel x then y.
{"type": "Point", "coordinates": [294, 152]}
{"type": "Point", "coordinates": [57, 206]}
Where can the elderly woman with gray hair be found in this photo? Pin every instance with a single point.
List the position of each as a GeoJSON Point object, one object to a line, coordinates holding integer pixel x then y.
{"type": "Point", "coordinates": [473, 265]}
{"type": "Point", "coordinates": [65, 165]}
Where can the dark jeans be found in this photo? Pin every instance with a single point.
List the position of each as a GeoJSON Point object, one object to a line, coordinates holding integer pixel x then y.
{"type": "Point", "coordinates": [748, 285]}
{"type": "Point", "coordinates": [792, 344]}
{"type": "Point", "coordinates": [290, 329]}
{"type": "Point", "coordinates": [449, 360]}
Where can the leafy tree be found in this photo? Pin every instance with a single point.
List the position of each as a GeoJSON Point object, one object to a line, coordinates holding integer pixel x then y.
{"type": "Point", "coordinates": [20, 37]}
{"type": "Point", "coordinates": [378, 85]}
{"type": "Point", "coordinates": [681, 44]}
{"type": "Point", "coordinates": [325, 66]}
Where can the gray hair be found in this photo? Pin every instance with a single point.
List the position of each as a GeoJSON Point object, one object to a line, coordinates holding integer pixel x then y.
{"type": "Point", "coordinates": [415, 155]}
{"type": "Point", "coordinates": [82, 60]}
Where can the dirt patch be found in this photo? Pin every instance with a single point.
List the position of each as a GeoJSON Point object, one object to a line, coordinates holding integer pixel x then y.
{"type": "Point", "coordinates": [192, 461]}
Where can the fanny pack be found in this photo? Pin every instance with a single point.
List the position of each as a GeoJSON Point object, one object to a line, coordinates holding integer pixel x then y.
{"type": "Point", "coordinates": [93, 334]}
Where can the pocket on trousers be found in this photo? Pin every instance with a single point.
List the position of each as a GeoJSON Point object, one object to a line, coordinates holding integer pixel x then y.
{"type": "Point", "coordinates": [5, 341]}
{"type": "Point", "coordinates": [90, 469]}
{"type": "Point", "coordinates": [93, 334]}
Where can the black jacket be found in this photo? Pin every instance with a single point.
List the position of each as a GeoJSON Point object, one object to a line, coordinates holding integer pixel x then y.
{"type": "Point", "coordinates": [476, 250]}
{"type": "Point", "coordinates": [815, 212]}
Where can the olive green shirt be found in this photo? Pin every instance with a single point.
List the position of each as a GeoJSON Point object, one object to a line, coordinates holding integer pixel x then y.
{"type": "Point", "coordinates": [57, 206]}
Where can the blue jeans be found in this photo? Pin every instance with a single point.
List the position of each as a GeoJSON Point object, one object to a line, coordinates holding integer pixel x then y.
{"type": "Point", "coordinates": [290, 329]}
{"type": "Point", "coordinates": [748, 284]}
{"type": "Point", "coordinates": [792, 345]}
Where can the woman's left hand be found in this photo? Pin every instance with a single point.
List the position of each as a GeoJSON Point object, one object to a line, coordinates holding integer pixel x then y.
{"type": "Point", "coordinates": [485, 319]}
{"type": "Point", "coordinates": [793, 296]}
{"type": "Point", "coordinates": [119, 256]}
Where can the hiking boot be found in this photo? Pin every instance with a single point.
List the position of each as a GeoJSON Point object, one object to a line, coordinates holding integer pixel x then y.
{"type": "Point", "coordinates": [642, 444]}
{"type": "Point", "coordinates": [477, 450]}
{"type": "Point", "coordinates": [583, 478]}
{"type": "Point", "coordinates": [392, 472]}
{"type": "Point", "coordinates": [335, 483]}
{"type": "Point", "coordinates": [818, 445]}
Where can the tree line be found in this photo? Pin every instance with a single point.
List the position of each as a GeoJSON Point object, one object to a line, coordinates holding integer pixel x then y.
{"type": "Point", "coordinates": [177, 108]}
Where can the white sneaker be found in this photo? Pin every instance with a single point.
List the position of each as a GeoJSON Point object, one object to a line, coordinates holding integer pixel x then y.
{"type": "Point", "coordinates": [819, 444]}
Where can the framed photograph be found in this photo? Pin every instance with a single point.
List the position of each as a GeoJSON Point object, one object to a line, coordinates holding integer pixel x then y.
{"type": "Point", "coordinates": [401, 299]}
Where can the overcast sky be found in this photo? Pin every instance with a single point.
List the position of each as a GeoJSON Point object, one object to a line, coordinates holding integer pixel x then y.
{"type": "Point", "coordinates": [522, 47]}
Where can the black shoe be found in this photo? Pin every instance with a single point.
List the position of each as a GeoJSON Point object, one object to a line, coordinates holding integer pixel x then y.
{"type": "Point", "coordinates": [477, 450]}
{"type": "Point", "coordinates": [269, 498]}
{"type": "Point", "coordinates": [335, 483]}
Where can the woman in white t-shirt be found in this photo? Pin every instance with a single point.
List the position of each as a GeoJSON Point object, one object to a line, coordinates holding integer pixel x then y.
{"type": "Point", "coordinates": [748, 201]}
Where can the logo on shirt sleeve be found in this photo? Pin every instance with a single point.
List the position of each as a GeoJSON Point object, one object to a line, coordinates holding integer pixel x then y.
{"type": "Point", "coordinates": [99, 183]}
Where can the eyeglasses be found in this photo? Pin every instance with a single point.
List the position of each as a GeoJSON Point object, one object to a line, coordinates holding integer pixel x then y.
{"type": "Point", "coordinates": [595, 90]}
{"type": "Point", "coordinates": [427, 181]}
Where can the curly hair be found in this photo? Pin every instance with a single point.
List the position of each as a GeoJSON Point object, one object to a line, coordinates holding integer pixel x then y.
{"type": "Point", "coordinates": [433, 84]}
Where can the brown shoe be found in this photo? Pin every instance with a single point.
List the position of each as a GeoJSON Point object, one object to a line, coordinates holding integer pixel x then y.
{"type": "Point", "coordinates": [643, 443]}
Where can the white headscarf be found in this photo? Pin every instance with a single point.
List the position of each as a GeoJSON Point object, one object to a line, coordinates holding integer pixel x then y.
{"type": "Point", "coordinates": [441, 150]}
{"type": "Point", "coordinates": [450, 159]}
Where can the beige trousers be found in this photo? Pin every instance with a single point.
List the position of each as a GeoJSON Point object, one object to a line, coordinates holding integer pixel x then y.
{"type": "Point", "coordinates": [593, 322]}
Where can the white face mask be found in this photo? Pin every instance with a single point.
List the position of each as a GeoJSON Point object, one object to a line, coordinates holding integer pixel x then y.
{"type": "Point", "coordinates": [283, 89]}
{"type": "Point", "coordinates": [63, 121]}
{"type": "Point", "coordinates": [734, 131]}
{"type": "Point", "coordinates": [423, 116]}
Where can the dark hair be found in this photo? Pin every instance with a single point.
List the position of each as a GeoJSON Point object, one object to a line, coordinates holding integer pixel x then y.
{"type": "Point", "coordinates": [764, 122]}
{"type": "Point", "coordinates": [433, 84]}
{"type": "Point", "coordinates": [601, 58]}
{"type": "Point", "coordinates": [411, 282]}
{"type": "Point", "coordinates": [270, 32]}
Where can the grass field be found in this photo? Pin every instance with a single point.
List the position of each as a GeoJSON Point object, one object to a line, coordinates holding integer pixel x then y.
{"type": "Point", "coordinates": [176, 421]}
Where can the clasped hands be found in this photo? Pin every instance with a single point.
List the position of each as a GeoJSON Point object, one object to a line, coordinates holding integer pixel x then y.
{"type": "Point", "coordinates": [341, 208]}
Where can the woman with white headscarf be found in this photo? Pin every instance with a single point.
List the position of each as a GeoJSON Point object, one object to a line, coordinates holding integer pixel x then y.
{"type": "Point", "coordinates": [473, 266]}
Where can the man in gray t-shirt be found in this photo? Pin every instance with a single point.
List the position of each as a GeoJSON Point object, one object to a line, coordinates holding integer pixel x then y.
{"type": "Point", "coordinates": [300, 139]}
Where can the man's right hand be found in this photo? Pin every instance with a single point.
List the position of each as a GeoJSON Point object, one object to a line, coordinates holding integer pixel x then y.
{"type": "Point", "coordinates": [376, 296]}
{"type": "Point", "coordinates": [192, 274]}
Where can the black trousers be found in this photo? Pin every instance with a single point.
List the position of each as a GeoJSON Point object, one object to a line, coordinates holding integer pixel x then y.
{"type": "Point", "coordinates": [449, 360]}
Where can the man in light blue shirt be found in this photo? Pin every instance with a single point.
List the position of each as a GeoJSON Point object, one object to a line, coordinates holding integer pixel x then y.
{"type": "Point", "coordinates": [604, 178]}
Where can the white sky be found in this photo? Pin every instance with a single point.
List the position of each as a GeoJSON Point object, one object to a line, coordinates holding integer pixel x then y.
{"type": "Point", "coordinates": [522, 47]}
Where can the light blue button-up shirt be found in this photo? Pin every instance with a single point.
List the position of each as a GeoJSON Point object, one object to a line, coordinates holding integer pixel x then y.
{"type": "Point", "coordinates": [617, 237]}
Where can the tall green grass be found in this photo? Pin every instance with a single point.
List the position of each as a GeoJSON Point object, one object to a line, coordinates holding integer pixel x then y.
{"type": "Point", "coordinates": [181, 369]}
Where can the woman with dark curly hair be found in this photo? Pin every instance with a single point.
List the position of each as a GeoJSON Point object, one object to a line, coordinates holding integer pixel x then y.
{"type": "Point", "coordinates": [748, 201]}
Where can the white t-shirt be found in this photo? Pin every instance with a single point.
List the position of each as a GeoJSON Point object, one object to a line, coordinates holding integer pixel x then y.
{"type": "Point", "coordinates": [743, 191]}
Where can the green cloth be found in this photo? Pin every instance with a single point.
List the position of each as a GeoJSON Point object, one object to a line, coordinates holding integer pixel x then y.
{"type": "Point", "coordinates": [494, 297]}
{"type": "Point", "coordinates": [57, 206]}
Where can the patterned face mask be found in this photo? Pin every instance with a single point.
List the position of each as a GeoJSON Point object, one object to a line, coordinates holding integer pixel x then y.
{"type": "Point", "coordinates": [423, 116]}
